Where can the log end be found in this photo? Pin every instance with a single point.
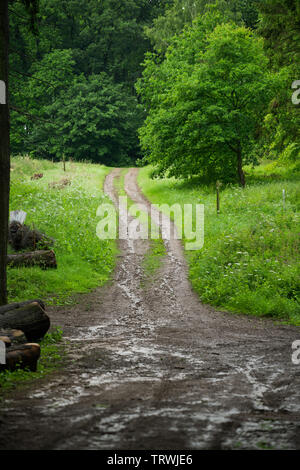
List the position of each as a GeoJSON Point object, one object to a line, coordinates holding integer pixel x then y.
{"type": "Point", "coordinates": [24, 357]}
{"type": "Point", "coordinates": [6, 340]}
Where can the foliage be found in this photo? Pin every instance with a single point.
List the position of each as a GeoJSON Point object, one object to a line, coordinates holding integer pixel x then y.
{"type": "Point", "coordinates": [47, 82]}
{"type": "Point", "coordinates": [153, 259]}
{"type": "Point", "coordinates": [205, 101]}
{"type": "Point", "coordinates": [277, 130]}
{"type": "Point", "coordinates": [78, 43]}
{"type": "Point", "coordinates": [94, 119]}
{"type": "Point", "coordinates": [279, 26]}
{"type": "Point", "coordinates": [249, 260]}
{"type": "Point", "coordinates": [182, 13]}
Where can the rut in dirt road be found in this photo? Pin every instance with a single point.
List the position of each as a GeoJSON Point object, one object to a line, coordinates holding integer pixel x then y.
{"type": "Point", "coordinates": [152, 368]}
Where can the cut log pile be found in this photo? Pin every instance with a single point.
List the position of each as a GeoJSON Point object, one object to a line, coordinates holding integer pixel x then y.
{"type": "Point", "coordinates": [45, 259]}
{"type": "Point", "coordinates": [37, 176]}
{"type": "Point", "coordinates": [39, 245]}
{"type": "Point", "coordinates": [21, 324]}
{"type": "Point", "coordinates": [22, 237]}
{"type": "Point", "coordinates": [60, 184]}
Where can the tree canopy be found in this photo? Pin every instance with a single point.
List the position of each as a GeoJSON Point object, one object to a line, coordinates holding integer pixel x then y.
{"type": "Point", "coordinates": [77, 44]}
{"type": "Point", "coordinates": [205, 113]}
{"type": "Point", "coordinates": [280, 27]}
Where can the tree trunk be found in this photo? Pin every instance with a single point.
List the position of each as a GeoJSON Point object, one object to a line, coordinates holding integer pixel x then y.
{"type": "Point", "coordinates": [41, 258]}
{"type": "Point", "coordinates": [241, 173]}
{"type": "Point", "coordinates": [30, 318]}
{"type": "Point", "coordinates": [4, 150]}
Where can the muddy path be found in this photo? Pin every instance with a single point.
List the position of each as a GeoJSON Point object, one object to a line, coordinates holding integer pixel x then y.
{"type": "Point", "coordinates": [150, 367]}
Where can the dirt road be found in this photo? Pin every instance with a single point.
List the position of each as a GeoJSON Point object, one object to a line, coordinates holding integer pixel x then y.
{"type": "Point", "coordinates": [150, 367]}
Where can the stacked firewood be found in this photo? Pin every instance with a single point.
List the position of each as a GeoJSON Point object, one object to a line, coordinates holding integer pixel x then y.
{"type": "Point", "coordinates": [35, 246]}
{"type": "Point", "coordinates": [22, 325]}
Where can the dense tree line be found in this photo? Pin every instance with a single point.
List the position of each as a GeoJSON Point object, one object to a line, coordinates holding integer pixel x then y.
{"type": "Point", "coordinates": [280, 27]}
{"type": "Point", "coordinates": [72, 80]}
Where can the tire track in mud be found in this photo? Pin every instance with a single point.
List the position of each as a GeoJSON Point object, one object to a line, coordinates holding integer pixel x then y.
{"type": "Point", "coordinates": [153, 368]}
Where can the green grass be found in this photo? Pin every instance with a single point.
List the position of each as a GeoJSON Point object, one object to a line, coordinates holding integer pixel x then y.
{"type": "Point", "coordinates": [69, 216]}
{"type": "Point", "coordinates": [250, 259]}
{"type": "Point", "coordinates": [119, 182]}
{"type": "Point", "coordinates": [52, 355]}
{"type": "Point", "coordinates": [153, 258]}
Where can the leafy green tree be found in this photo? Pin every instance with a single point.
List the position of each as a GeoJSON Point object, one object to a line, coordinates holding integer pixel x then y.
{"type": "Point", "coordinates": [280, 27]}
{"type": "Point", "coordinates": [48, 78]}
{"type": "Point", "coordinates": [205, 113]}
{"type": "Point", "coordinates": [181, 13]}
{"type": "Point", "coordinates": [249, 11]}
{"type": "Point", "coordinates": [104, 35]}
{"type": "Point", "coordinates": [94, 119]}
{"type": "Point", "coordinates": [76, 38]}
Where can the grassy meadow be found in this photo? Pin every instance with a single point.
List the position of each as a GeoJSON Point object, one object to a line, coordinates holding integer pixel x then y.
{"type": "Point", "coordinates": [250, 259]}
{"type": "Point", "coordinates": [66, 212]}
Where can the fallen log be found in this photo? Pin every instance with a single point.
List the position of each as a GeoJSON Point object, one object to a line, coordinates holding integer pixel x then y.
{"type": "Point", "coordinates": [22, 237]}
{"type": "Point", "coordinates": [45, 259]}
{"type": "Point", "coordinates": [37, 176]}
{"type": "Point", "coordinates": [24, 356]}
{"type": "Point", "coordinates": [30, 318]}
{"type": "Point", "coordinates": [6, 340]}
{"type": "Point", "coordinates": [15, 305]}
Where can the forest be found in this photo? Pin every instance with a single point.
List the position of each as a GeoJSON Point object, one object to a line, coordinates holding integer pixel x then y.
{"type": "Point", "coordinates": [194, 87]}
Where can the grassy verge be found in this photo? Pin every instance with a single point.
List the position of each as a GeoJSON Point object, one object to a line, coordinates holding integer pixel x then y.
{"type": "Point", "coordinates": [153, 258]}
{"type": "Point", "coordinates": [52, 354]}
{"type": "Point", "coordinates": [250, 259]}
{"type": "Point", "coordinates": [68, 214]}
